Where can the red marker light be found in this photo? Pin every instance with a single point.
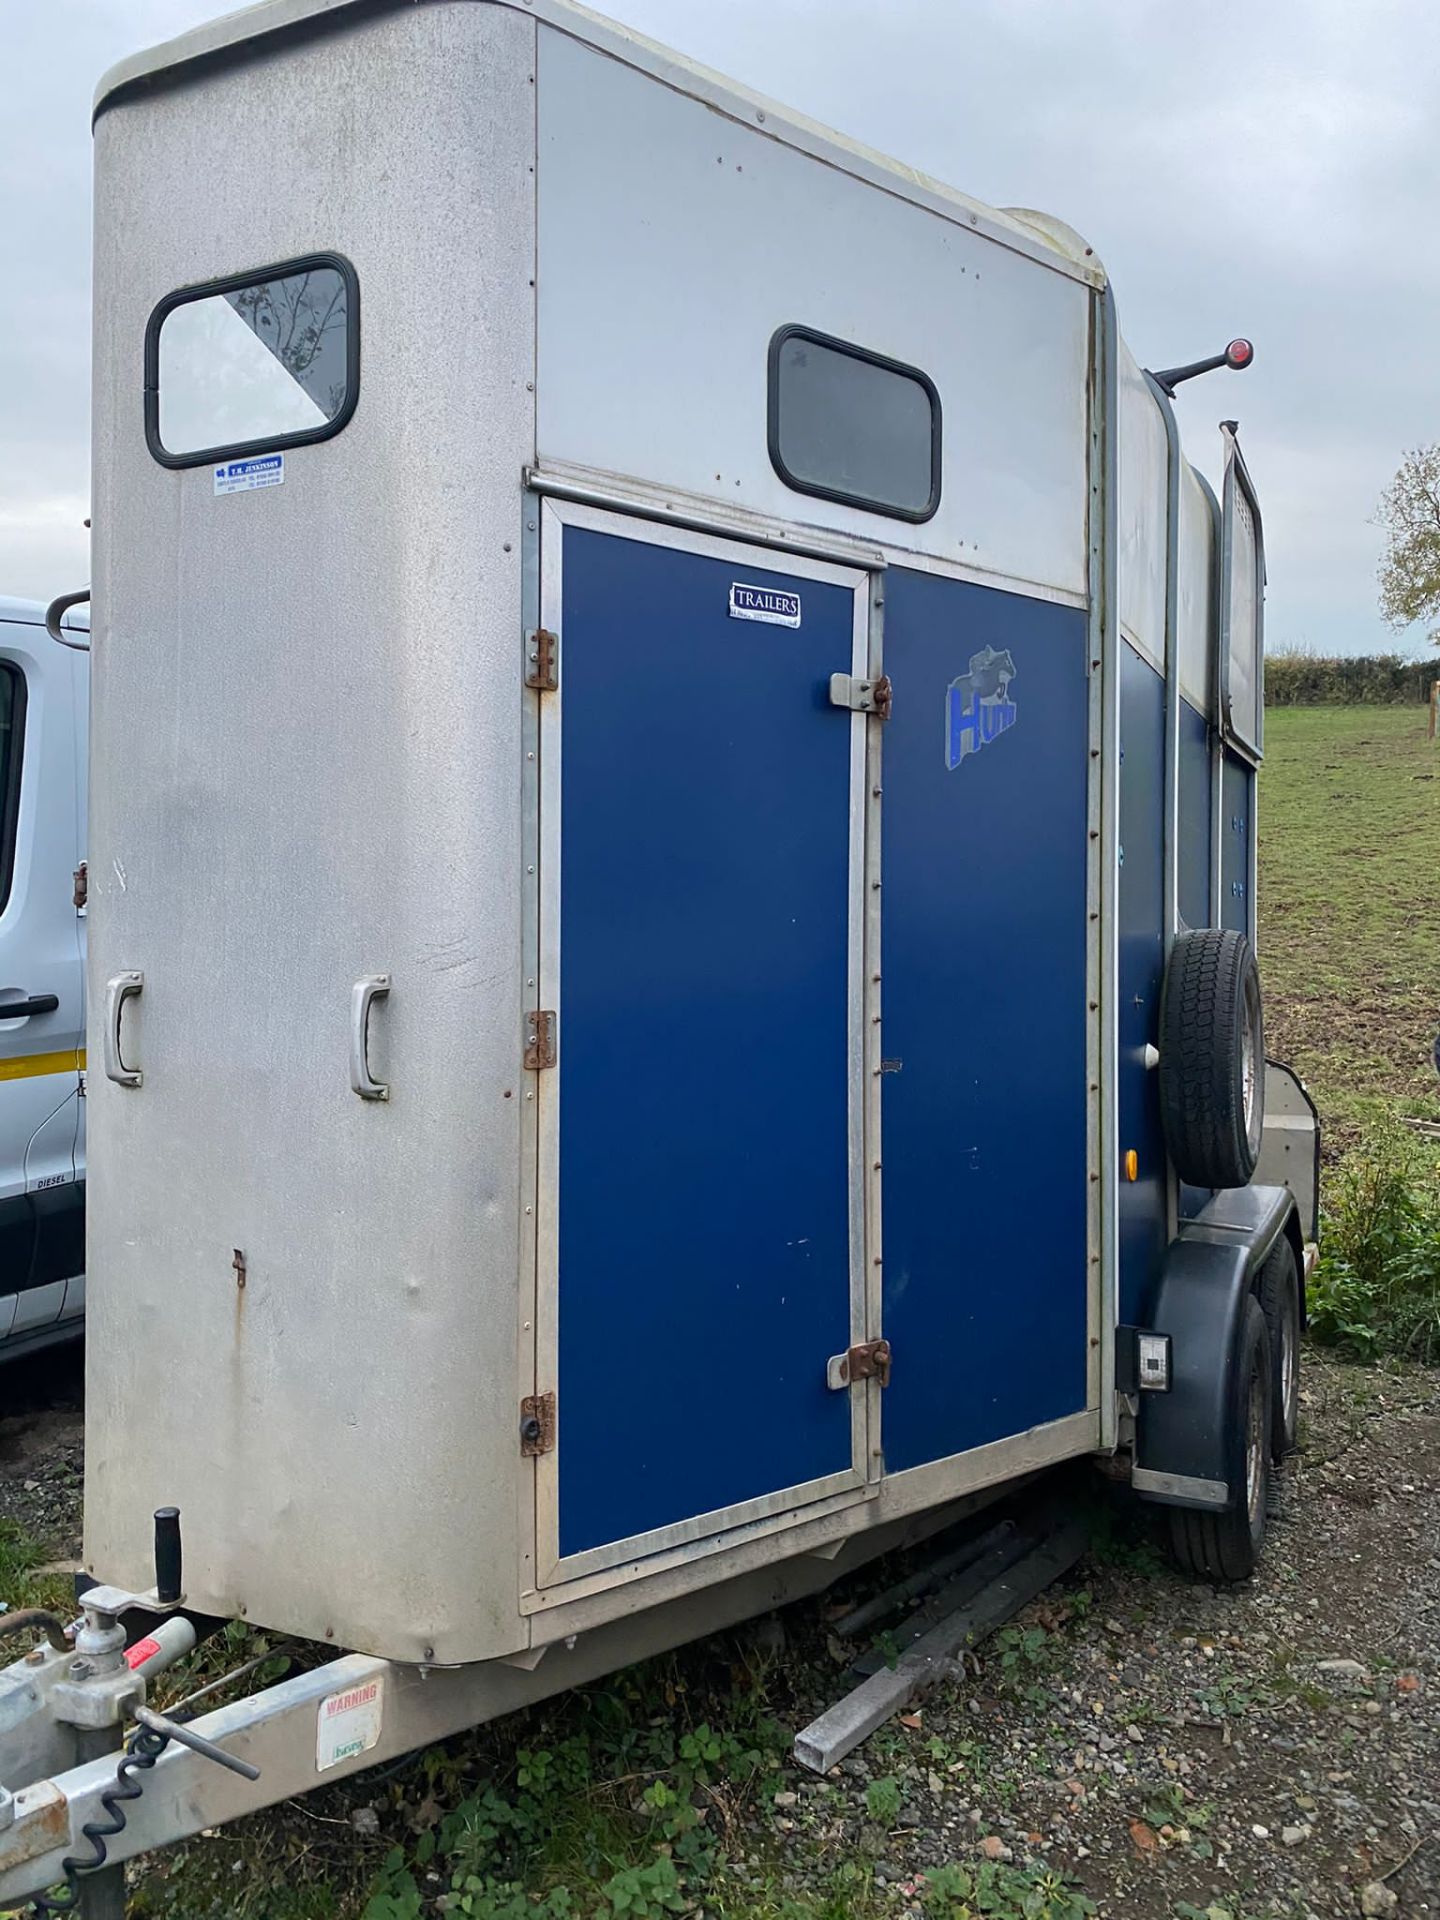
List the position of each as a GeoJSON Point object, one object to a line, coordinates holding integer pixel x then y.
{"type": "Point", "coordinates": [1239, 354]}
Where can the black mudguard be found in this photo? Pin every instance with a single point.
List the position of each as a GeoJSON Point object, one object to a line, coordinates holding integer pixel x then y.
{"type": "Point", "coordinates": [1182, 1447]}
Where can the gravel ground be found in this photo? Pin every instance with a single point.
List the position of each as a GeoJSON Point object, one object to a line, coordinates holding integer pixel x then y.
{"type": "Point", "coordinates": [1274, 1748]}
{"type": "Point", "coordinates": [1270, 1750]}
{"type": "Point", "coordinates": [42, 1448]}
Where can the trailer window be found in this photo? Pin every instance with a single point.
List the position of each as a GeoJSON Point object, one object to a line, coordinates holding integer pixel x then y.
{"type": "Point", "coordinates": [854, 426]}
{"type": "Point", "coordinates": [254, 362]}
{"type": "Point", "coordinates": [1242, 601]}
{"type": "Point", "coordinates": [12, 735]}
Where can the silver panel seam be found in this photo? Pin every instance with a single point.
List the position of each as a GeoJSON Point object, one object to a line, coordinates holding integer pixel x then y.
{"type": "Point", "coordinates": [1105, 653]}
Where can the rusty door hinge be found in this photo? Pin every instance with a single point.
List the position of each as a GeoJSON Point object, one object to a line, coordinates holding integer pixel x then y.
{"type": "Point", "coordinates": [542, 660]}
{"type": "Point", "coordinates": [539, 1041]}
{"type": "Point", "coordinates": [82, 884]}
{"type": "Point", "coordinates": [537, 1424]}
{"type": "Point", "coordinates": [869, 1361]}
{"type": "Point", "coordinates": [863, 696]}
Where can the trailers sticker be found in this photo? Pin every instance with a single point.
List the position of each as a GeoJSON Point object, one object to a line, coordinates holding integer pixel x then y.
{"type": "Point", "coordinates": [244, 476]}
{"type": "Point", "coordinates": [349, 1723]}
{"type": "Point", "coordinates": [771, 604]}
{"type": "Point", "coordinates": [978, 707]}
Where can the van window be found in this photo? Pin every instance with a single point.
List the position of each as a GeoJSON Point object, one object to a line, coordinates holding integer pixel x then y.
{"type": "Point", "coordinates": [254, 362]}
{"type": "Point", "coordinates": [850, 425]}
{"type": "Point", "coordinates": [12, 737]}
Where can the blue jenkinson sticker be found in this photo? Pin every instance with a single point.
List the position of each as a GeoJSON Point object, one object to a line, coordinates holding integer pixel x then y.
{"type": "Point", "coordinates": [775, 605]}
{"type": "Point", "coordinates": [244, 476]}
{"type": "Point", "coordinates": [978, 707]}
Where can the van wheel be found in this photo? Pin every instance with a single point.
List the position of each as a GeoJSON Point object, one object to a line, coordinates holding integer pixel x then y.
{"type": "Point", "coordinates": [1279, 1293]}
{"type": "Point", "coordinates": [1212, 1058]}
{"type": "Point", "coordinates": [1223, 1547]}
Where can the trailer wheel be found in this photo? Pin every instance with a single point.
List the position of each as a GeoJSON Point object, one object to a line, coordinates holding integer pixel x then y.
{"type": "Point", "coordinates": [1223, 1547]}
{"type": "Point", "coordinates": [1279, 1294]}
{"type": "Point", "coordinates": [1212, 1058]}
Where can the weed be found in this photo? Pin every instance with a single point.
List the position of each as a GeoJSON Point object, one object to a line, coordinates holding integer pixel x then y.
{"type": "Point", "coordinates": [19, 1584]}
{"type": "Point", "coordinates": [1003, 1892]}
{"type": "Point", "coordinates": [1169, 1805]}
{"type": "Point", "coordinates": [883, 1800]}
{"type": "Point", "coordinates": [1377, 1287]}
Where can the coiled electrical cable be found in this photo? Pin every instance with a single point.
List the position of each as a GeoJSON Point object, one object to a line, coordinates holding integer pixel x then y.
{"type": "Point", "coordinates": [142, 1750]}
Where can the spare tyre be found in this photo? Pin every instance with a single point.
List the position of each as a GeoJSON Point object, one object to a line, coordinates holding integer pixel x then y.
{"type": "Point", "coordinates": [1212, 1058]}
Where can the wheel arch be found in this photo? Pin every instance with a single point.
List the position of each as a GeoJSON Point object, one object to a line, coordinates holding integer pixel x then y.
{"type": "Point", "coordinates": [1210, 1270]}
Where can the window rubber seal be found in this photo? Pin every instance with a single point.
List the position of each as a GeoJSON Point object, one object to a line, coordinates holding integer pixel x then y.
{"type": "Point", "coordinates": [795, 331]}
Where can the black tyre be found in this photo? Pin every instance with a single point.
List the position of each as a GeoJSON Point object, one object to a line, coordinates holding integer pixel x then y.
{"type": "Point", "coordinates": [1212, 1058]}
{"type": "Point", "coordinates": [1279, 1295]}
{"type": "Point", "coordinates": [1222, 1547]}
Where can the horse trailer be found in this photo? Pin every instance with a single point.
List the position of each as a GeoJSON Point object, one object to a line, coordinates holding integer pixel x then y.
{"type": "Point", "coordinates": [672, 880]}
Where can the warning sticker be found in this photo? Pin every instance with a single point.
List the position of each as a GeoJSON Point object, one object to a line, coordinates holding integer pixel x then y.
{"type": "Point", "coordinates": [243, 476]}
{"type": "Point", "coordinates": [349, 1723]}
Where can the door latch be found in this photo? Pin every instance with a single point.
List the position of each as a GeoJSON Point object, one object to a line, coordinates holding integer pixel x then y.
{"type": "Point", "coordinates": [869, 1361]}
{"type": "Point", "coordinates": [537, 1425]}
{"type": "Point", "coordinates": [862, 696]}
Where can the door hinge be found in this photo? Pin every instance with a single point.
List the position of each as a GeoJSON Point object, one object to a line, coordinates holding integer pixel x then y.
{"type": "Point", "coordinates": [537, 1424]}
{"type": "Point", "coordinates": [869, 1361]}
{"type": "Point", "coordinates": [539, 1041]}
{"type": "Point", "coordinates": [863, 696]}
{"type": "Point", "coordinates": [542, 660]}
{"type": "Point", "coordinates": [82, 885]}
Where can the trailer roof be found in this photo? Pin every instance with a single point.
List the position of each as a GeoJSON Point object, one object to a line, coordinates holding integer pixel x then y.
{"type": "Point", "coordinates": [234, 35]}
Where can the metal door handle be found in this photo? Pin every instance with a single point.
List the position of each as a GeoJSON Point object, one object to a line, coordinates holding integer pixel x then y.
{"type": "Point", "coordinates": [363, 996]}
{"type": "Point", "coordinates": [33, 1003]}
{"type": "Point", "coordinates": [123, 987]}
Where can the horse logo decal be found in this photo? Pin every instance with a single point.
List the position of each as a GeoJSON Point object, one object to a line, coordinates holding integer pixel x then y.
{"type": "Point", "coordinates": [978, 707]}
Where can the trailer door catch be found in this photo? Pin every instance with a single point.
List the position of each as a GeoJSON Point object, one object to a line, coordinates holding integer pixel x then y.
{"type": "Point", "coordinates": [539, 1041]}
{"type": "Point", "coordinates": [862, 696]}
{"type": "Point", "coordinates": [870, 1361]}
{"type": "Point", "coordinates": [537, 1424]}
{"type": "Point", "coordinates": [542, 661]}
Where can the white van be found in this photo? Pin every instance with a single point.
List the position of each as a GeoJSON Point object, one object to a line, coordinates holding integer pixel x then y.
{"type": "Point", "coordinates": [44, 696]}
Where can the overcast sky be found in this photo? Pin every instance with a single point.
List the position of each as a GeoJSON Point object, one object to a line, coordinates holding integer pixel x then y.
{"type": "Point", "coordinates": [1270, 170]}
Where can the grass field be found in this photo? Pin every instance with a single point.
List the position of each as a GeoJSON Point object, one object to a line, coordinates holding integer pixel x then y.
{"type": "Point", "coordinates": [1350, 908]}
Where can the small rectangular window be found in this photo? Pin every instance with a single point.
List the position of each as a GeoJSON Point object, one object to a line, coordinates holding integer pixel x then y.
{"type": "Point", "coordinates": [850, 425]}
{"type": "Point", "coordinates": [12, 740]}
{"type": "Point", "coordinates": [253, 362]}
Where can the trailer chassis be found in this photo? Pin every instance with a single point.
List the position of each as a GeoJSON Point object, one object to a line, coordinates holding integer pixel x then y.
{"type": "Point", "coordinates": [62, 1731]}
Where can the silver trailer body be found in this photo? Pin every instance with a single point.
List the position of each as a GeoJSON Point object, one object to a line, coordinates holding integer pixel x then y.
{"type": "Point", "coordinates": [626, 973]}
{"type": "Point", "coordinates": [321, 1323]}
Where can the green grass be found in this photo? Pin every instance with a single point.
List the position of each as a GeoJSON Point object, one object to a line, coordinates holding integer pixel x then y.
{"type": "Point", "coordinates": [1350, 962]}
{"type": "Point", "coordinates": [21, 1587]}
{"type": "Point", "coordinates": [1350, 908]}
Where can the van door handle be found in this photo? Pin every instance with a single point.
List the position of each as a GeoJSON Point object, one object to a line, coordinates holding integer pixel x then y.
{"type": "Point", "coordinates": [123, 987]}
{"type": "Point", "coordinates": [34, 1003]}
{"type": "Point", "coordinates": [363, 996]}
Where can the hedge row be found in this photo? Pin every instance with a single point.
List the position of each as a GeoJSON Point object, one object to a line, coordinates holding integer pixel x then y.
{"type": "Point", "coordinates": [1362, 680]}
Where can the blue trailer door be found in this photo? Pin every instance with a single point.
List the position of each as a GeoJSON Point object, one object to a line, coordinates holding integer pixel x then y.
{"type": "Point", "coordinates": [700, 905]}
{"type": "Point", "coordinates": [984, 831]}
